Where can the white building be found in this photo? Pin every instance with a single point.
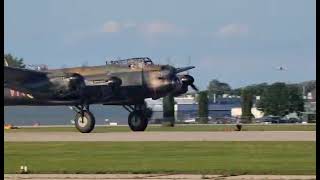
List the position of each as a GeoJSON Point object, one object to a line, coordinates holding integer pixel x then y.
{"type": "Point", "coordinates": [187, 106]}
{"type": "Point", "coordinates": [237, 112]}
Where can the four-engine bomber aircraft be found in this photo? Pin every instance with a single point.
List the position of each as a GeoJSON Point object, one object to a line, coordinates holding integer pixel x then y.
{"type": "Point", "coordinates": [123, 82]}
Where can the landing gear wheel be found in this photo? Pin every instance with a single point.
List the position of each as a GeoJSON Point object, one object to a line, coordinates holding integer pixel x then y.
{"type": "Point", "coordinates": [137, 121]}
{"type": "Point", "coordinates": [85, 123]}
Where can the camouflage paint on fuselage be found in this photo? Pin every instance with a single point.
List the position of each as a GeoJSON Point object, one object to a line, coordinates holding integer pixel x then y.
{"type": "Point", "coordinates": [139, 81]}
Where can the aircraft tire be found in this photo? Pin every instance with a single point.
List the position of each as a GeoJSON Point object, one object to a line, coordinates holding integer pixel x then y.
{"type": "Point", "coordinates": [137, 121]}
{"type": "Point", "coordinates": [88, 123]}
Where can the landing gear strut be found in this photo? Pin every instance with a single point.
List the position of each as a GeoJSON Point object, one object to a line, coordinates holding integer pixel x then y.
{"type": "Point", "coordinates": [84, 119]}
{"type": "Point", "coordinates": [139, 117]}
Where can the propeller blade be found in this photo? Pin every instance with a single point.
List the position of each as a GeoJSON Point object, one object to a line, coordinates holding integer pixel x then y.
{"type": "Point", "coordinates": [194, 87]}
{"type": "Point", "coordinates": [179, 70]}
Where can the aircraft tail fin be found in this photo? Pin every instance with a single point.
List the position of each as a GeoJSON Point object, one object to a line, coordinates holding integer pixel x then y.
{"type": "Point", "coordinates": [18, 75]}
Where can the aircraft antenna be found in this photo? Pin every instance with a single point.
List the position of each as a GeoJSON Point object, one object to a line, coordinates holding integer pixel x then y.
{"type": "Point", "coordinates": [169, 60]}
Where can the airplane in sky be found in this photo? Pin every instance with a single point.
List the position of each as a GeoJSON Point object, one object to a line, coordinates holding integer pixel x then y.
{"type": "Point", "coordinates": [125, 82]}
{"type": "Point", "coordinates": [281, 68]}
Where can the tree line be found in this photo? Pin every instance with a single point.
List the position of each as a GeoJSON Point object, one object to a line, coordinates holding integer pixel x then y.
{"type": "Point", "coordinates": [277, 99]}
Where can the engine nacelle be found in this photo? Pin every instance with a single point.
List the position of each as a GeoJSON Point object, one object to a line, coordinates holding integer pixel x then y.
{"type": "Point", "coordinates": [70, 86]}
{"type": "Point", "coordinates": [114, 82]}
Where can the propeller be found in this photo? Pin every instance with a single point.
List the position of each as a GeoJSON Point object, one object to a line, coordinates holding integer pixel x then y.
{"type": "Point", "coordinates": [194, 87]}
{"type": "Point", "coordinates": [172, 73]}
{"type": "Point", "coordinates": [169, 71]}
{"type": "Point", "coordinates": [189, 81]}
{"type": "Point", "coordinates": [180, 70]}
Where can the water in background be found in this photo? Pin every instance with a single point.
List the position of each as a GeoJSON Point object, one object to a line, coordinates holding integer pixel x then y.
{"type": "Point", "coordinates": [62, 115]}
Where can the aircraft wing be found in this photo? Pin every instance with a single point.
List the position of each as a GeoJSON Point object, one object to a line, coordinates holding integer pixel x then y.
{"type": "Point", "coordinates": [15, 76]}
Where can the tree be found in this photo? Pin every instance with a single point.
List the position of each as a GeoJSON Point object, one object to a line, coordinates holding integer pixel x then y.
{"type": "Point", "coordinates": [203, 107]}
{"type": "Point", "coordinates": [295, 99]}
{"type": "Point", "coordinates": [257, 89]}
{"type": "Point", "coordinates": [14, 61]}
{"type": "Point", "coordinates": [308, 86]}
{"type": "Point", "coordinates": [218, 88]}
{"type": "Point", "coordinates": [275, 100]}
{"type": "Point", "coordinates": [236, 92]}
{"type": "Point", "coordinates": [246, 104]}
{"type": "Point", "coordinates": [168, 111]}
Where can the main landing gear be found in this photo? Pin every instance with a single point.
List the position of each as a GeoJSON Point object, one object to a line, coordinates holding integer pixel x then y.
{"type": "Point", "coordinates": [139, 117]}
{"type": "Point", "coordinates": [84, 119]}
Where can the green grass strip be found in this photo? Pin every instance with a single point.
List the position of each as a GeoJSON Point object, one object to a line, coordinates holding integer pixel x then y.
{"type": "Point", "coordinates": [230, 158]}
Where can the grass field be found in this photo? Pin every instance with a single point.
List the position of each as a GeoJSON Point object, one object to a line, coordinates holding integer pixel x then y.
{"type": "Point", "coordinates": [100, 129]}
{"type": "Point", "coordinates": [163, 157]}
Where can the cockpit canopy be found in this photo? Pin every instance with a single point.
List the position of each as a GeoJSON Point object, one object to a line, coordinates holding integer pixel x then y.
{"type": "Point", "coordinates": [132, 61]}
{"type": "Point", "coordinates": [37, 67]}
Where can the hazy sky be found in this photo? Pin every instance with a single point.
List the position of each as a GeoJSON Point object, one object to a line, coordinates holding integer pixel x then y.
{"type": "Point", "coordinates": [236, 41]}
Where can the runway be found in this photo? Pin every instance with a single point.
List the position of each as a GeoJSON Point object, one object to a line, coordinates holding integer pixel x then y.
{"type": "Point", "coordinates": [154, 176]}
{"type": "Point", "coordinates": [162, 136]}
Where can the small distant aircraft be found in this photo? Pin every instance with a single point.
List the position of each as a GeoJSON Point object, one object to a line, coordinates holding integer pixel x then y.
{"type": "Point", "coordinates": [125, 82]}
{"type": "Point", "coordinates": [281, 68]}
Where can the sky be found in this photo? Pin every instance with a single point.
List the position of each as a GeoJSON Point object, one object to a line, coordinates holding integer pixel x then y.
{"type": "Point", "coordinates": [240, 42]}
